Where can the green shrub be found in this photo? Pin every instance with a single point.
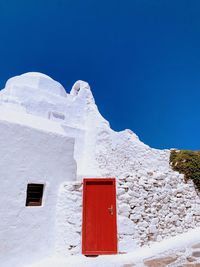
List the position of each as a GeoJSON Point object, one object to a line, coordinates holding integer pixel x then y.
{"type": "Point", "coordinates": [187, 162]}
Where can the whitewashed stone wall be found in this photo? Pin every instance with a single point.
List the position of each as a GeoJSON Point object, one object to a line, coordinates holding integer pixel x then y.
{"type": "Point", "coordinates": [69, 218]}
{"type": "Point", "coordinates": [151, 206]}
{"type": "Point", "coordinates": [153, 201]}
{"type": "Point", "coordinates": [157, 205]}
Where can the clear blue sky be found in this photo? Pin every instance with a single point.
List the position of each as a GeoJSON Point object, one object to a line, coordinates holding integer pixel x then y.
{"type": "Point", "coordinates": [141, 58]}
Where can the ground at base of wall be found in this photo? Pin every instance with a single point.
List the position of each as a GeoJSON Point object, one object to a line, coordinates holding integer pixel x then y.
{"type": "Point", "coordinates": [185, 257]}
{"type": "Point", "coordinates": [179, 251]}
{"type": "Point", "coordinates": [180, 258]}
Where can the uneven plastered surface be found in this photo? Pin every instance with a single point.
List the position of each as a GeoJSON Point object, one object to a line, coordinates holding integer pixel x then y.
{"type": "Point", "coordinates": [153, 201]}
{"type": "Point", "coordinates": [30, 156]}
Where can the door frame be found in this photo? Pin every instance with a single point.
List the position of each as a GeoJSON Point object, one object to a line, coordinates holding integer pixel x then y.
{"type": "Point", "coordinates": [85, 180]}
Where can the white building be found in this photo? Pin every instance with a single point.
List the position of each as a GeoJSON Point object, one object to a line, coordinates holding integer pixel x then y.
{"type": "Point", "coordinates": [50, 140]}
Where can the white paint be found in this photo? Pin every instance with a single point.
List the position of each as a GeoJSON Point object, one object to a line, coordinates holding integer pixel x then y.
{"type": "Point", "coordinates": [30, 155]}
{"type": "Point", "coordinates": [39, 95]}
{"type": "Point", "coordinates": [34, 80]}
{"type": "Point", "coordinates": [136, 256]}
{"type": "Point", "coordinates": [42, 128]}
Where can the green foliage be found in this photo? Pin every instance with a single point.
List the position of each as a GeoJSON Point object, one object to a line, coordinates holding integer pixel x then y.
{"type": "Point", "coordinates": [188, 163]}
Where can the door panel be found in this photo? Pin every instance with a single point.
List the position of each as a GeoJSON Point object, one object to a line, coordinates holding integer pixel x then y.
{"type": "Point", "coordinates": [99, 230]}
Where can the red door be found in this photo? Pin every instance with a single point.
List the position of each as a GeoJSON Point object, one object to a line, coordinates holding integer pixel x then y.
{"type": "Point", "coordinates": [99, 229]}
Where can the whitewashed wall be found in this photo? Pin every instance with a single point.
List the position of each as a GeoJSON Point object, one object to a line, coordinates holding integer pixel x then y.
{"type": "Point", "coordinates": [29, 155]}
{"type": "Point", "coordinates": [149, 209]}
{"type": "Point", "coordinates": [153, 201]}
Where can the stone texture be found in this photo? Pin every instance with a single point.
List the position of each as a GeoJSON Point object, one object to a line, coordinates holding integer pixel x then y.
{"type": "Point", "coordinates": [145, 213]}
{"type": "Point", "coordinates": [190, 265]}
{"type": "Point", "coordinates": [158, 209]}
{"type": "Point", "coordinates": [196, 254]}
{"type": "Point", "coordinates": [160, 262]}
{"type": "Point", "coordinates": [190, 259]}
{"type": "Point", "coordinates": [196, 245]}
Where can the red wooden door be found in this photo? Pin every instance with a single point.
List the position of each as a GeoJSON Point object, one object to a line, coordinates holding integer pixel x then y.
{"type": "Point", "coordinates": [99, 229]}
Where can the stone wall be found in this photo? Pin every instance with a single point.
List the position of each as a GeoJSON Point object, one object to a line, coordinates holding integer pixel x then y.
{"type": "Point", "coordinates": [151, 206]}
{"type": "Point", "coordinates": [69, 218]}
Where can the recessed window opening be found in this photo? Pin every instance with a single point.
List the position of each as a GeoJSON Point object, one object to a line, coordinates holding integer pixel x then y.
{"type": "Point", "coordinates": [56, 116]}
{"type": "Point", "coordinates": [34, 194]}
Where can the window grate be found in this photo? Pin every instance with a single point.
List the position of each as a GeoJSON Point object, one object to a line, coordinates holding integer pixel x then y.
{"type": "Point", "coordinates": [34, 194]}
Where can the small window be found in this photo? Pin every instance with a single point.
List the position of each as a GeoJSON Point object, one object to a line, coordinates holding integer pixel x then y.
{"type": "Point", "coordinates": [56, 116]}
{"type": "Point", "coordinates": [34, 194]}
